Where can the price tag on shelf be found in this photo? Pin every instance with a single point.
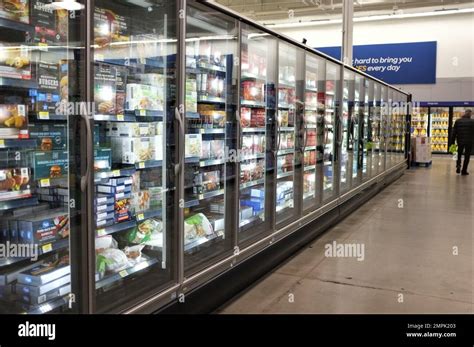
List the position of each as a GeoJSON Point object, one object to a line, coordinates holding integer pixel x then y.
{"type": "Point", "coordinates": [140, 216]}
{"type": "Point", "coordinates": [2, 143]}
{"type": "Point", "coordinates": [142, 113]}
{"type": "Point", "coordinates": [123, 273]}
{"type": "Point", "coordinates": [120, 117]}
{"type": "Point", "coordinates": [43, 115]}
{"type": "Point", "coordinates": [141, 165]}
{"type": "Point", "coordinates": [101, 232]}
{"type": "Point", "coordinates": [116, 173]}
{"type": "Point", "coordinates": [45, 182]}
{"type": "Point", "coordinates": [99, 57]}
{"type": "Point", "coordinates": [47, 248]}
{"type": "Point", "coordinates": [43, 46]}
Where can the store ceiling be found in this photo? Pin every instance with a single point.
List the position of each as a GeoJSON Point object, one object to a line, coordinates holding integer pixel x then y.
{"type": "Point", "coordinates": [268, 11]}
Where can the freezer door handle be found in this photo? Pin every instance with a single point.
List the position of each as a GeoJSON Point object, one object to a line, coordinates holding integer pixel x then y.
{"type": "Point", "coordinates": [179, 119]}
{"type": "Point", "coordinates": [85, 178]}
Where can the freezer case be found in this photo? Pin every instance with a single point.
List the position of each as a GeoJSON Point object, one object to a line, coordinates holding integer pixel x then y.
{"type": "Point", "coordinates": [258, 78]}
{"type": "Point", "coordinates": [134, 82]}
{"type": "Point", "coordinates": [329, 130]}
{"type": "Point", "coordinates": [40, 203]}
{"type": "Point", "coordinates": [347, 131]}
{"type": "Point", "coordinates": [210, 137]}
{"type": "Point", "coordinates": [289, 117]}
{"type": "Point", "coordinates": [312, 144]}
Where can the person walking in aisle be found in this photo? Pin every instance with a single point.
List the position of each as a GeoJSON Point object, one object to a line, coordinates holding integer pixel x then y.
{"type": "Point", "coordinates": [463, 133]}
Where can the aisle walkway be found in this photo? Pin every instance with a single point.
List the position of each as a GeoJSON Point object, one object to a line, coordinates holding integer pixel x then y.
{"type": "Point", "coordinates": [409, 265]}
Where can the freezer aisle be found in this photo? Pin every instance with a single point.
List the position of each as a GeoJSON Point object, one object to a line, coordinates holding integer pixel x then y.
{"type": "Point", "coordinates": [431, 279]}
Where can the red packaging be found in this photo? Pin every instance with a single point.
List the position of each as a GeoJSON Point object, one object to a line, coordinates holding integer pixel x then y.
{"type": "Point", "coordinates": [245, 117]}
{"type": "Point", "coordinates": [311, 138]}
{"type": "Point", "coordinates": [258, 118]}
{"type": "Point", "coordinates": [252, 91]}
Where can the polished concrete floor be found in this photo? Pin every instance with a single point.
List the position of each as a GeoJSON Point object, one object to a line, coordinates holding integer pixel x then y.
{"type": "Point", "coordinates": [418, 257]}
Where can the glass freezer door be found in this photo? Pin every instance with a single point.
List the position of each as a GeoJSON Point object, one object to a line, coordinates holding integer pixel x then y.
{"type": "Point", "coordinates": [134, 150]}
{"type": "Point", "coordinates": [365, 146]}
{"type": "Point", "coordinates": [209, 140]}
{"type": "Point", "coordinates": [329, 126]}
{"type": "Point", "coordinates": [257, 112]}
{"type": "Point", "coordinates": [377, 131]}
{"type": "Point", "coordinates": [312, 146]}
{"type": "Point", "coordinates": [290, 61]}
{"type": "Point", "coordinates": [40, 201]}
{"type": "Point", "coordinates": [347, 138]}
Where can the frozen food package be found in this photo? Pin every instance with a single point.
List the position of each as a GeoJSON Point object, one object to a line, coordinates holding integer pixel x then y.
{"type": "Point", "coordinates": [17, 10]}
{"type": "Point", "coordinates": [245, 117]}
{"type": "Point", "coordinates": [14, 183]}
{"type": "Point", "coordinates": [197, 226]}
{"type": "Point", "coordinates": [206, 150]}
{"type": "Point", "coordinates": [15, 61]}
{"type": "Point", "coordinates": [115, 259]}
{"type": "Point", "coordinates": [217, 150]}
{"type": "Point", "coordinates": [105, 79]}
{"type": "Point", "coordinates": [13, 122]}
{"type": "Point", "coordinates": [144, 231]}
{"type": "Point", "coordinates": [193, 145]}
{"type": "Point", "coordinates": [134, 254]}
{"type": "Point", "coordinates": [144, 97]}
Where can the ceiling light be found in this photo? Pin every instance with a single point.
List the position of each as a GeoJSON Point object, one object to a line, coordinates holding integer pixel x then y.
{"type": "Point", "coordinates": [70, 5]}
{"type": "Point", "coordinates": [372, 18]}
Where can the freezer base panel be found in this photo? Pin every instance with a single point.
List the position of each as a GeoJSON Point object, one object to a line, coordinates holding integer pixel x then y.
{"type": "Point", "coordinates": [219, 290]}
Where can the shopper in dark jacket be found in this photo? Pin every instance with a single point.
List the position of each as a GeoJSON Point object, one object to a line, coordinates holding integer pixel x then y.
{"type": "Point", "coordinates": [463, 133]}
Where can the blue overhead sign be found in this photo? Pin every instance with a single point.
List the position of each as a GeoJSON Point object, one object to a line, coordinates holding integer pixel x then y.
{"type": "Point", "coordinates": [395, 63]}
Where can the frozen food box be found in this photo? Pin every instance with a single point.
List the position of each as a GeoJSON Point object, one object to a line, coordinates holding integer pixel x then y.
{"type": "Point", "coordinates": [131, 129]}
{"type": "Point", "coordinates": [120, 88]}
{"type": "Point", "coordinates": [15, 61]}
{"type": "Point", "coordinates": [207, 182]}
{"type": "Point", "coordinates": [144, 97]}
{"type": "Point", "coordinates": [13, 122]}
{"type": "Point", "coordinates": [191, 95]}
{"type": "Point", "coordinates": [13, 272]}
{"type": "Point", "coordinates": [31, 299]}
{"type": "Point", "coordinates": [102, 159]}
{"type": "Point", "coordinates": [206, 150]}
{"type": "Point", "coordinates": [105, 79]}
{"type": "Point", "coordinates": [193, 145]}
{"type": "Point", "coordinates": [17, 10]}
{"type": "Point", "coordinates": [24, 289]}
{"type": "Point", "coordinates": [105, 208]}
{"type": "Point", "coordinates": [44, 21]}
{"type": "Point", "coordinates": [104, 199]}
{"type": "Point", "coordinates": [47, 95]}
{"type": "Point", "coordinates": [44, 273]}
{"type": "Point", "coordinates": [245, 212]}
{"type": "Point", "coordinates": [46, 227]}
{"type": "Point", "coordinates": [48, 136]}
{"type": "Point", "coordinates": [104, 216]}
{"type": "Point", "coordinates": [116, 25]}
{"type": "Point", "coordinates": [217, 149]}
{"type": "Point", "coordinates": [131, 150]}
{"type": "Point", "coordinates": [217, 206]}
{"type": "Point", "coordinates": [100, 188]}
{"type": "Point", "coordinates": [245, 117]}
{"type": "Point", "coordinates": [14, 183]}
{"type": "Point", "coordinates": [50, 164]}
{"type": "Point", "coordinates": [257, 205]}
{"type": "Point", "coordinates": [258, 118]}
{"type": "Point", "coordinates": [257, 193]}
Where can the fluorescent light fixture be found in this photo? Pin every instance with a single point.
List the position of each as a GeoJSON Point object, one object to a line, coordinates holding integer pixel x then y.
{"type": "Point", "coordinates": [372, 18]}
{"type": "Point", "coordinates": [70, 5]}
